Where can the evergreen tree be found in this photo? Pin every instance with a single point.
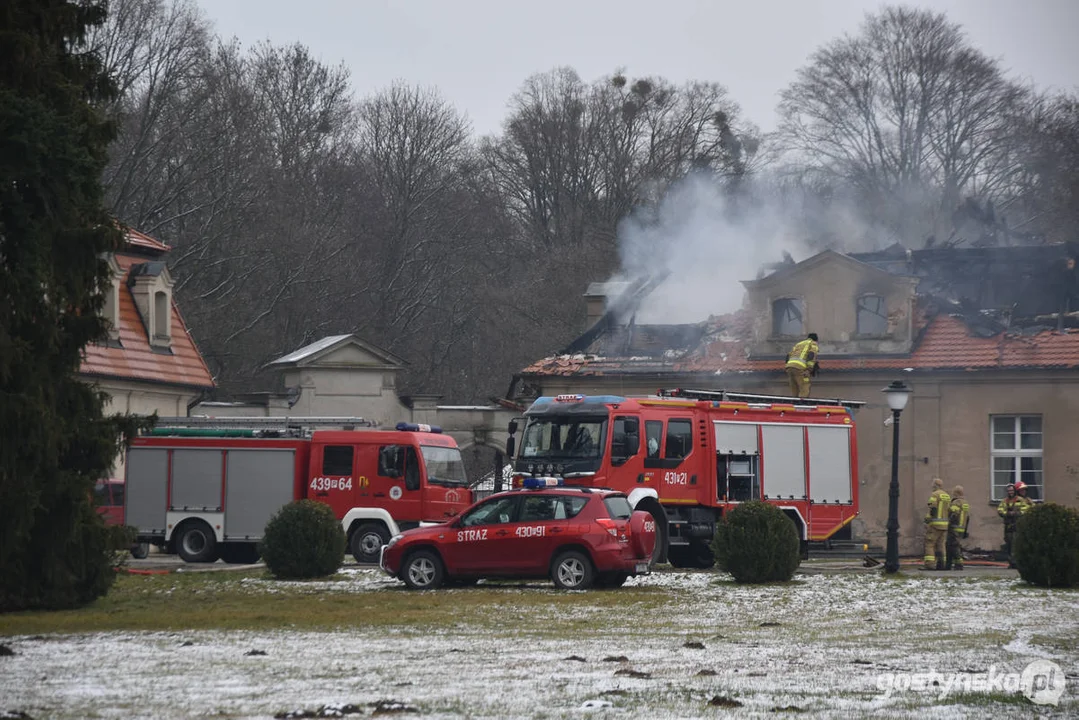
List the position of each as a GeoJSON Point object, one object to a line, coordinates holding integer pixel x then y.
{"type": "Point", "coordinates": [54, 232]}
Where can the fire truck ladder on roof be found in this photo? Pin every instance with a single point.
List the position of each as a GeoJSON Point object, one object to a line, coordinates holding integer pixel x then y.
{"type": "Point", "coordinates": [726, 395]}
{"type": "Point", "coordinates": [259, 423]}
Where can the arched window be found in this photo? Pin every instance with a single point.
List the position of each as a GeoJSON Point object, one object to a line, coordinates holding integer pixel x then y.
{"type": "Point", "coordinates": [787, 316]}
{"type": "Point", "coordinates": [872, 316]}
{"type": "Point", "coordinates": [161, 315]}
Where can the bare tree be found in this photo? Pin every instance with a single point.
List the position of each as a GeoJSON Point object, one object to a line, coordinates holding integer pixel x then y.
{"type": "Point", "coordinates": [906, 112]}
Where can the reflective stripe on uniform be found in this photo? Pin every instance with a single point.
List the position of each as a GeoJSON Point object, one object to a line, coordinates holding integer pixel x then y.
{"type": "Point", "coordinates": [799, 354]}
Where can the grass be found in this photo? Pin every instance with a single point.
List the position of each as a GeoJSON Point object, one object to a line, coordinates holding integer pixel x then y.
{"type": "Point", "coordinates": [224, 601]}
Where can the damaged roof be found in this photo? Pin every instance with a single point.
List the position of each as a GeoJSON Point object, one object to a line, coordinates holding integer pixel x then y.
{"type": "Point", "coordinates": [977, 309]}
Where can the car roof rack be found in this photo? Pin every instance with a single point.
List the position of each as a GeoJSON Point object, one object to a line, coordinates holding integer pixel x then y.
{"type": "Point", "coordinates": [727, 395]}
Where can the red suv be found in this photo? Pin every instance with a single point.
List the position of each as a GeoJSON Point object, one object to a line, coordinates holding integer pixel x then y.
{"type": "Point", "coordinates": [578, 537]}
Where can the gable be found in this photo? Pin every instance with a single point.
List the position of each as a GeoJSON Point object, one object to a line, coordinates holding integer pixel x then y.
{"type": "Point", "coordinates": [339, 351]}
{"type": "Point", "coordinates": [824, 266]}
{"type": "Point", "coordinates": [350, 355]}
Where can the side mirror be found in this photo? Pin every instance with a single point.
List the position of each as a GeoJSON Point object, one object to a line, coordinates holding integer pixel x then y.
{"type": "Point", "coordinates": [511, 445]}
{"type": "Point", "coordinates": [512, 427]}
{"type": "Point", "coordinates": [633, 444]}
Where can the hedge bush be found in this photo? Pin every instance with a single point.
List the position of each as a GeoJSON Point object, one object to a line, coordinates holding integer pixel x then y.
{"type": "Point", "coordinates": [303, 540]}
{"type": "Point", "coordinates": [757, 543]}
{"type": "Point", "coordinates": [1046, 546]}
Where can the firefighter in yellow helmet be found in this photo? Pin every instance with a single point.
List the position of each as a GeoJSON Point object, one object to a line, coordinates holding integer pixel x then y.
{"type": "Point", "coordinates": [936, 526]}
{"type": "Point", "coordinates": [958, 517]}
{"type": "Point", "coordinates": [802, 362]}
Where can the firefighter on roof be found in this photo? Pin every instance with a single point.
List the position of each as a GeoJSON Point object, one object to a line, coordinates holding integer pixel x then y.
{"type": "Point", "coordinates": [1010, 508]}
{"type": "Point", "coordinates": [958, 517]}
{"type": "Point", "coordinates": [936, 526]}
{"type": "Point", "coordinates": [802, 362]}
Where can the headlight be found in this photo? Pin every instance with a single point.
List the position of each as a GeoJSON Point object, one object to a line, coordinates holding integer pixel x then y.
{"type": "Point", "coordinates": [393, 541]}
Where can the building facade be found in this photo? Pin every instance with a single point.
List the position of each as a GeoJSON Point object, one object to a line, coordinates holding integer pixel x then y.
{"type": "Point", "coordinates": [149, 362]}
{"type": "Point", "coordinates": [983, 337]}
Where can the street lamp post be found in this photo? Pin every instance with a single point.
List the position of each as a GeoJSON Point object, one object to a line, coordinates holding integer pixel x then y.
{"type": "Point", "coordinates": [897, 394]}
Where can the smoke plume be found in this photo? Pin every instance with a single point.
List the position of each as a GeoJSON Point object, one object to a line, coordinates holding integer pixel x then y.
{"type": "Point", "coordinates": [707, 244]}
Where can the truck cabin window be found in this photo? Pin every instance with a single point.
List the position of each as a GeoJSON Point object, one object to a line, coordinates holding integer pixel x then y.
{"type": "Point", "coordinates": [626, 439]}
{"type": "Point", "coordinates": [412, 469]}
{"type": "Point", "coordinates": [337, 460]}
{"type": "Point", "coordinates": [574, 438]}
{"type": "Point", "coordinates": [653, 429]}
{"type": "Point", "coordinates": [444, 465]}
{"type": "Point", "coordinates": [679, 438]}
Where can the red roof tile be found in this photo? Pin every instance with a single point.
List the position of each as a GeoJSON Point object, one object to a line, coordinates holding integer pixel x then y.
{"type": "Point", "coordinates": [947, 344]}
{"type": "Point", "coordinates": [135, 360]}
{"type": "Point", "coordinates": [135, 239]}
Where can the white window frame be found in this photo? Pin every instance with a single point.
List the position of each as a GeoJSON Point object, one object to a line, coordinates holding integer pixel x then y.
{"type": "Point", "coordinates": [1017, 452]}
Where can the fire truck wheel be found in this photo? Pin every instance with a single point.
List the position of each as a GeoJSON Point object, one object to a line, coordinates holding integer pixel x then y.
{"type": "Point", "coordinates": [700, 555]}
{"type": "Point", "coordinates": [611, 580]}
{"type": "Point", "coordinates": [678, 556]}
{"type": "Point", "coordinates": [139, 551]}
{"type": "Point", "coordinates": [196, 543]}
{"type": "Point", "coordinates": [367, 540]}
{"type": "Point", "coordinates": [423, 570]}
{"type": "Point", "coordinates": [572, 570]}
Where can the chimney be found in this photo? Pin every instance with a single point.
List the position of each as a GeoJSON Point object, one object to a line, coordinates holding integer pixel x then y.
{"type": "Point", "coordinates": [598, 299]}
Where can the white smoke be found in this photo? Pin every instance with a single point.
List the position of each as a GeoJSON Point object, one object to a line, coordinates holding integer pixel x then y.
{"type": "Point", "coordinates": [709, 246]}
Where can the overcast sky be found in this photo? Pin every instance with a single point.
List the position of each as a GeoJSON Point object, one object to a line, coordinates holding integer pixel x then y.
{"type": "Point", "coordinates": [478, 52]}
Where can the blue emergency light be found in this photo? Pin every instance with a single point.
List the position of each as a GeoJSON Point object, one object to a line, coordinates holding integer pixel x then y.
{"type": "Point", "coordinates": [418, 427]}
{"type": "Point", "coordinates": [534, 483]}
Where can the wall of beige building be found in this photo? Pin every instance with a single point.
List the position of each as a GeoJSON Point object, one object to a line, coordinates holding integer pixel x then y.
{"type": "Point", "coordinates": [829, 293]}
{"type": "Point", "coordinates": [129, 398]}
{"type": "Point", "coordinates": [944, 432]}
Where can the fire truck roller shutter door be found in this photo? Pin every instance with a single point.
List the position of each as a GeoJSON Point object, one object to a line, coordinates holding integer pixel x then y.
{"type": "Point", "coordinates": [196, 479]}
{"type": "Point", "coordinates": [829, 464]}
{"type": "Point", "coordinates": [259, 484]}
{"type": "Point", "coordinates": [736, 438]}
{"type": "Point", "coordinates": [147, 489]}
{"type": "Point", "coordinates": [783, 455]}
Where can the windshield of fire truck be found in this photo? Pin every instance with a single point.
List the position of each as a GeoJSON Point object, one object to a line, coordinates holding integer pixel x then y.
{"type": "Point", "coordinates": [444, 465]}
{"type": "Point", "coordinates": [563, 438]}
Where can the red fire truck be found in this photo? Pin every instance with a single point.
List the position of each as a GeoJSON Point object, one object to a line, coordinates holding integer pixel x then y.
{"type": "Point", "coordinates": [206, 487]}
{"type": "Point", "coordinates": [687, 456]}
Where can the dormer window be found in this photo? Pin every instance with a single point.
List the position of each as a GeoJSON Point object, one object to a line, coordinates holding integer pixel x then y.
{"type": "Point", "coordinates": [151, 287]}
{"type": "Point", "coordinates": [787, 317]}
{"type": "Point", "coordinates": [872, 319]}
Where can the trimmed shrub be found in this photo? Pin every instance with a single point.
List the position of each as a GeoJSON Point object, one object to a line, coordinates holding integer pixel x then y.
{"type": "Point", "coordinates": [1046, 546]}
{"type": "Point", "coordinates": [757, 543]}
{"type": "Point", "coordinates": [303, 540]}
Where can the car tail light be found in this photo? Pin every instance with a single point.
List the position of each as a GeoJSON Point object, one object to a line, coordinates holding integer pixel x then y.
{"type": "Point", "coordinates": [609, 525]}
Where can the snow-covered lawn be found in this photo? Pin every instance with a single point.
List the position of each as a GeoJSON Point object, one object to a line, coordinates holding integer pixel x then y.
{"type": "Point", "coordinates": [824, 644]}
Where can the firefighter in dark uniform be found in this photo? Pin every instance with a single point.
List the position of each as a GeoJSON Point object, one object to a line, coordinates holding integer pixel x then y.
{"type": "Point", "coordinates": [936, 526]}
{"type": "Point", "coordinates": [958, 517]}
{"type": "Point", "coordinates": [802, 362]}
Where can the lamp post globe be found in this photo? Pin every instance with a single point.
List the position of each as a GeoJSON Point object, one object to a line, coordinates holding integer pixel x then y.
{"type": "Point", "coordinates": [897, 394]}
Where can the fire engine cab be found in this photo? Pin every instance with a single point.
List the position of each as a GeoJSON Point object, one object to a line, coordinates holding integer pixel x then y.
{"type": "Point", "coordinates": [206, 487]}
{"type": "Point", "coordinates": [688, 456]}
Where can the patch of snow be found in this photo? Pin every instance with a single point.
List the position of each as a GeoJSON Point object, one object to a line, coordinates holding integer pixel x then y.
{"type": "Point", "coordinates": [821, 643]}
